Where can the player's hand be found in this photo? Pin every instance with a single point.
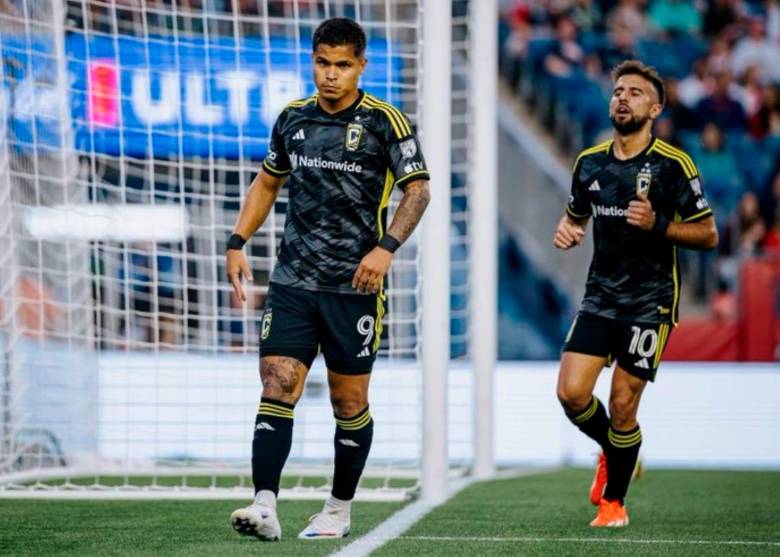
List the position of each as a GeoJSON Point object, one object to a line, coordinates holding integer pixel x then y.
{"type": "Point", "coordinates": [372, 270]}
{"type": "Point", "coordinates": [237, 266]}
{"type": "Point", "coordinates": [640, 213]}
{"type": "Point", "coordinates": [568, 234]}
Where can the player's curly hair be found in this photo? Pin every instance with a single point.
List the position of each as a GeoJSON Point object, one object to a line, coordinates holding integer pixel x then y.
{"type": "Point", "coordinates": [636, 67]}
{"type": "Point", "coordinates": [340, 31]}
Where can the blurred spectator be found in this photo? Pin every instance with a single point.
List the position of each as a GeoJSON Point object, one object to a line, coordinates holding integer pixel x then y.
{"type": "Point", "coordinates": [772, 238]}
{"type": "Point", "coordinates": [664, 129]}
{"type": "Point", "coordinates": [720, 15]}
{"type": "Point", "coordinates": [37, 313]}
{"type": "Point", "coordinates": [766, 121]}
{"type": "Point", "coordinates": [621, 46]}
{"type": "Point", "coordinates": [718, 168]}
{"type": "Point", "coordinates": [566, 56]}
{"type": "Point", "coordinates": [720, 107]}
{"type": "Point", "coordinates": [586, 15]}
{"type": "Point", "coordinates": [675, 17]}
{"type": "Point", "coordinates": [754, 93]}
{"type": "Point", "coordinates": [682, 117]}
{"type": "Point", "coordinates": [629, 13]}
{"type": "Point", "coordinates": [771, 206]}
{"type": "Point", "coordinates": [719, 56]}
{"type": "Point", "coordinates": [772, 10]}
{"type": "Point", "coordinates": [756, 49]}
{"type": "Point", "coordinates": [697, 85]}
{"type": "Point", "coordinates": [742, 236]}
{"type": "Point", "coordinates": [516, 43]}
{"type": "Point", "coordinates": [745, 229]}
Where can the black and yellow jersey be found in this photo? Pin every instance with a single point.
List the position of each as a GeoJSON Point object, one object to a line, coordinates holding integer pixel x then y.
{"type": "Point", "coordinates": [633, 274]}
{"type": "Point", "coordinates": [342, 169]}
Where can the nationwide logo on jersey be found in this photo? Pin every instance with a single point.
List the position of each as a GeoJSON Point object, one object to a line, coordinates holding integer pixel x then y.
{"type": "Point", "coordinates": [297, 160]}
{"type": "Point", "coordinates": [595, 186]}
{"type": "Point", "coordinates": [354, 133]}
{"type": "Point", "coordinates": [643, 180]}
{"type": "Point", "coordinates": [408, 148]}
{"type": "Point", "coordinates": [265, 328]}
{"type": "Point", "coordinates": [299, 135]}
{"type": "Point", "coordinates": [610, 211]}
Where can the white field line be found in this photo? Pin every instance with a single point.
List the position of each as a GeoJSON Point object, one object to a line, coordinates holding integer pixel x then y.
{"type": "Point", "coordinates": [520, 539]}
{"type": "Point", "coordinates": [402, 520]}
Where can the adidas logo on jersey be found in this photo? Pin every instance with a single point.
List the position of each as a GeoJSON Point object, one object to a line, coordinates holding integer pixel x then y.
{"type": "Point", "coordinates": [364, 353]}
{"type": "Point", "coordinates": [642, 363]}
{"type": "Point", "coordinates": [299, 135]}
{"type": "Point", "coordinates": [595, 186]}
{"type": "Point", "coordinates": [348, 443]}
{"type": "Point", "coordinates": [265, 425]}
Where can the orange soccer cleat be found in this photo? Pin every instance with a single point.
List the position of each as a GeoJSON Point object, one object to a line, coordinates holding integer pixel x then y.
{"type": "Point", "coordinates": [611, 515]}
{"type": "Point", "coordinates": [599, 480]}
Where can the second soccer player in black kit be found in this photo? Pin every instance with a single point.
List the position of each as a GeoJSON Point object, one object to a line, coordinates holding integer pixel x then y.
{"type": "Point", "coordinates": [646, 199]}
{"type": "Point", "coordinates": [343, 151]}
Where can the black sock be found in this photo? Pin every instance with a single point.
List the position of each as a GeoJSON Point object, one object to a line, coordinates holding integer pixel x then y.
{"type": "Point", "coordinates": [592, 421]}
{"type": "Point", "coordinates": [622, 452]}
{"type": "Point", "coordinates": [352, 443]}
{"type": "Point", "coordinates": [271, 444]}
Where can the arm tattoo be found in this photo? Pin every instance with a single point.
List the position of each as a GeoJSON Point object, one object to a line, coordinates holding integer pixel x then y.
{"type": "Point", "coordinates": [410, 210]}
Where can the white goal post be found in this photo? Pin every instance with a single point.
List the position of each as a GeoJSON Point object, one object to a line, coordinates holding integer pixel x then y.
{"type": "Point", "coordinates": [128, 137]}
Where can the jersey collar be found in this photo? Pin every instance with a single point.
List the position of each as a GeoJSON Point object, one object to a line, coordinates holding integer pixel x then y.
{"type": "Point", "coordinates": [639, 155]}
{"type": "Point", "coordinates": [346, 111]}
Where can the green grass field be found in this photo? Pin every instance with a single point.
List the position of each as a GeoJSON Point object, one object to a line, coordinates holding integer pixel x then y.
{"type": "Point", "coordinates": [545, 514]}
{"type": "Point", "coordinates": [548, 514]}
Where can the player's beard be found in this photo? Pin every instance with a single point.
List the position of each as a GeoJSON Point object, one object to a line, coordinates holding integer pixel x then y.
{"type": "Point", "coordinates": [632, 125]}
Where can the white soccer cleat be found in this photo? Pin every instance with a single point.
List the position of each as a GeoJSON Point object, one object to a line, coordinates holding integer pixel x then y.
{"type": "Point", "coordinates": [257, 520]}
{"type": "Point", "coordinates": [328, 524]}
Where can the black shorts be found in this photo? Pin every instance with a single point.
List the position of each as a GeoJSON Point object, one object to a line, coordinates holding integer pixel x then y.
{"type": "Point", "coordinates": [347, 328]}
{"type": "Point", "coordinates": [636, 346]}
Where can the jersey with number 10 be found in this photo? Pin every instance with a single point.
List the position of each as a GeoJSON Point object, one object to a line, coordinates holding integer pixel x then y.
{"type": "Point", "coordinates": [342, 169]}
{"type": "Point", "coordinates": [633, 275]}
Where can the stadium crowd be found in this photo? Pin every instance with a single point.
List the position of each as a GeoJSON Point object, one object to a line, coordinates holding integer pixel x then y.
{"type": "Point", "coordinates": [720, 60]}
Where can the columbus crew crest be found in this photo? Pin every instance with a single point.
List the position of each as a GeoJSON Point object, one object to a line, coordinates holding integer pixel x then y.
{"type": "Point", "coordinates": [643, 179]}
{"type": "Point", "coordinates": [354, 133]}
{"type": "Point", "coordinates": [265, 327]}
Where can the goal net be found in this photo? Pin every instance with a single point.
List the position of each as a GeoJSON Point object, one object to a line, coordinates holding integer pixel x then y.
{"type": "Point", "coordinates": [129, 133]}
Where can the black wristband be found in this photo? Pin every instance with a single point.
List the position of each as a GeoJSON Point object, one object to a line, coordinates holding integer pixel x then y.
{"type": "Point", "coordinates": [389, 243]}
{"type": "Point", "coordinates": [235, 242]}
{"type": "Point", "coordinates": [660, 225]}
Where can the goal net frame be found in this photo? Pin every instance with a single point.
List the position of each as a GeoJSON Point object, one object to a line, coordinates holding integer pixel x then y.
{"type": "Point", "coordinates": [59, 220]}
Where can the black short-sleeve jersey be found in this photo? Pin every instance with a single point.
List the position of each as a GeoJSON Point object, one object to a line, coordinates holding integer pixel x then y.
{"type": "Point", "coordinates": [634, 274]}
{"type": "Point", "coordinates": [342, 169]}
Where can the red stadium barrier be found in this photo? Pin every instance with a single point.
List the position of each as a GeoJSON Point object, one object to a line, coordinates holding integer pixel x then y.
{"type": "Point", "coordinates": [753, 337]}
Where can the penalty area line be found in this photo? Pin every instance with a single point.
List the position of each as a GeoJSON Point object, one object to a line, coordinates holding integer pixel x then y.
{"type": "Point", "coordinates": [531, 539]}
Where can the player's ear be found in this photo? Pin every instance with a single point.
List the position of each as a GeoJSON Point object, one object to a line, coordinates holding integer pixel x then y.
{"type": "Point", "coordinates": [655, 110]}
{"type": "Point", "coordinates": [363, 62]}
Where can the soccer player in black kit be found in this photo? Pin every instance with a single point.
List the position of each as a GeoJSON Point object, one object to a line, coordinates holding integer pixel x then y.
{"type": "Point", "coordinates": [341, 152]}
{"type": "Point", "coordinates": [646, 199]}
